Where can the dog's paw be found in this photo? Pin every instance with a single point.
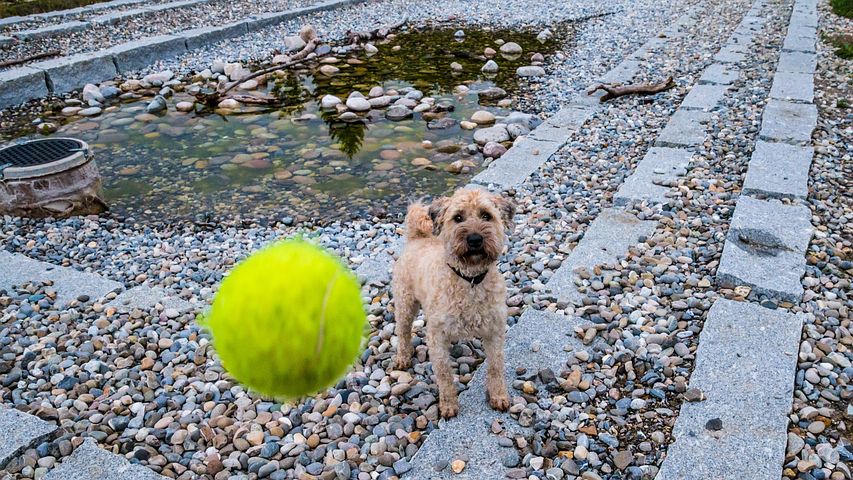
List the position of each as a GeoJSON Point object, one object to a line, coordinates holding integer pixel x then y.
{"type": "Point", "coordinates": [449, 409]}
{"type": "Point", "coordinates": [402, 362]}
{"type": "Point", "coordinates": [500, 402]}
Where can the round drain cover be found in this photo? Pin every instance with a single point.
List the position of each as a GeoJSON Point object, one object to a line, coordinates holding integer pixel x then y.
{"type": "Point", "coordinates": [38, 158]}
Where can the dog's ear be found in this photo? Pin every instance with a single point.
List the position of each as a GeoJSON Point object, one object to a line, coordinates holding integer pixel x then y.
{"type": "Point", "coordinates": [437, 209]}
{"type": "Point", "coordinates": [506, 206]}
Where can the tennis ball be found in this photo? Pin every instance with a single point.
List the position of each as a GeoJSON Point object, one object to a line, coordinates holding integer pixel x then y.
{"type": "Point", "coordinates": [288, 321]}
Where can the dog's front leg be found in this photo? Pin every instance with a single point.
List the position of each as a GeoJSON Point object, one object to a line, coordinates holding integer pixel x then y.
{"type": "Point", "coordinates": [495, 378]}
{"type": "Point", "coordinates": [439, 354]}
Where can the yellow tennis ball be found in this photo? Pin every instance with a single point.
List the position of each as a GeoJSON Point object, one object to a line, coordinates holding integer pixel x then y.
{"type": "Point", "coordinates": [288, 321]}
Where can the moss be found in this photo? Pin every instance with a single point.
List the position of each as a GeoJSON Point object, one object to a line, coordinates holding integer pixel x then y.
{"type": "Point", "coordinates": [843, 8]}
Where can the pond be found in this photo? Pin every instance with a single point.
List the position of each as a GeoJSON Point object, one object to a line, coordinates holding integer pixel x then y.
{"type": "Point", "coordinates": [299, 159]}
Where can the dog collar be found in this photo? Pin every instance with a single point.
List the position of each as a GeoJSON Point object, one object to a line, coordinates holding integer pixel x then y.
{"type": "Point", "coordinates": [475, 280]}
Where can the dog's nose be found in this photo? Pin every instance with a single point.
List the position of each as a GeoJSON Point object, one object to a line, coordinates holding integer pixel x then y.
{"type": "Point", "coordinates": [474, 240]}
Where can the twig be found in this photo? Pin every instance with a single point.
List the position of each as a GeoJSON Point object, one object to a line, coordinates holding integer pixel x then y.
{"type": "Point", "coordinates": [18, 61]}
{"type": "Point", "coordinates": [296, 58]}
{"type": "Point", "coordinates": [381, 32]}
{"type": "Point", "coordinates": [614, 91]}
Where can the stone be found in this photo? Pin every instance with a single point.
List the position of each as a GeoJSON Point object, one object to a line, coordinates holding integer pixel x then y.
{"type": "Point", "coordinates": [788, 122]}
{"type": "Point", "coordinates": [491, 93]}
{"type": "Point", "coordinates": [685, 129]}
{"type": "Point", "coordinates": [398, 112]}
{"type": "Point", "coordinates": [329, 101]}
{"type": "Point", "coordinates": [380, 102]}
{"type": "Point", "coordinates": [64, 28]}
{"type": "Point", "coordinates": [608, 238]}
{"type": "Point", "coordinates": [660, 167]}
{"type": "Point", "coordinates": [20, 432]}
{"type": "Point", "coordinates": [490, 67]}
{"type": "Point", "coordinates": [184, 106]}
{"type": "Point", "coordinates": [229, 104]}
{"type": "Point", "coordinates": [483, 117]}
{"type": "Point", "coordinates": [797, 62]}
{"type": "Point", "coordinates": [704, 96]}
{"type": "Point", "coordinates": [329, 70]}
{"type": "Point", "coordinates": [514, 166]}
{"type": "Point", "coordinates": [456, 67]}
{"type": "Point", "coordinates": [496, 134]}
{"type": "Point", "coordinates": [138, 54]}
{"type": "Point", "coordinates": [90, 112]}
{"type": "Point", "coordinates": [530, 71]}
{"type": "Point", "coordinates": [779, 170]}
{"type": "Point", "coordinates": [793, 86]}
{"type": "Point", "coordinates": [199, 37]}
{"type": "Point", "coordinates": [358, 104]}
{"type": "Point", "coordinates": [157, 105]}
{"type": "Point", "coordinates": [92, 92]}
{"type": "Point", "coordinates": [69, 283]}
{"type": "Point", "coordinates": [741, 345]}
{"type": "Point", "coordinates": [720, 74]}
{"type": "Point", "coordinates": [493, 149]}
{"type": "Point", "coordinates": [293, 44]}
{"type": "Point", "coordinates": [510, 48]}
{"type": "Point", "coordinates": [370, 49]}
{"type": "Point", "coordinates": [765, 248]}
{"type": "Point", "coordinates": [90, 461]}
{"type": "Point", "coordinates": [376, 91]}
{"type": "Point", "coordinates": [21, 84]}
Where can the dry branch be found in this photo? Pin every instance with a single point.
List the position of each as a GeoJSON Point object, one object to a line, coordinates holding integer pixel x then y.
{"type": "Point", "coordinates": [376, 34]}
{"type": "Point", "coordinates": [614, 91]}
{"type": "Point", "coordinates": [18, 61]}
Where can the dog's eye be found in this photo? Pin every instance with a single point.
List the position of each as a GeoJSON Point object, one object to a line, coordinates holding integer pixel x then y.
{"type": "Point", "coordinates": [457, 218]}
{"type": "Point", "coordinates": [486, 216]}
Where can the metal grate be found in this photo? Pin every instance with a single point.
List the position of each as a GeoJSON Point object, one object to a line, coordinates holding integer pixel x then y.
{"type": "Point", "coordinates": [39, 152]}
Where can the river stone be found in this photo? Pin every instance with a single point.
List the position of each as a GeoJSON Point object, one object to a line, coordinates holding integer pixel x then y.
{"type": "Point", "coordinates": [348, 117]}
{"type": "Point", "coordinates": [510, 48]}
{"type": "Point", "coordinates": [370, 49]}
{"type": "Point", "coordinates": [158, 104]}
{"type": "Point", "coordinates": [493, 149]}
{"type": "Point", "coordinates": [380, 102]}
{"type": "Point", "coordinates": [496, 134]}
{"type": "Point", "coordinates": [398, 112]}
{"type": "Point", "coordinates": [530, 71]}
{"type": "Point", "coordinates": [358, 104]}
{"type": "Point", "coordinates": [184, 106]}
{"type": "Point", "coordinates": [455, 67]}
{"type": "Point", "coordinates": [376, 92]}
{"type": "Point", "coordinates": [329, 101]}
{"type": "Point", "coordinates": [92, 92]}
{"type": "Point", "coordinates": [490, 67]}
{"type": "Point", "coordinates": [441, 123]}
{"type": "Point", "coordinates": [90, 112]}
{"type": "Point", "coordinates": [329, 70]}
{"type": "Point", "coordinates": [293, 44]}
{"type": "Point", "coordinates": [492, 93]}
{"type": "Point", "coordinates": [482, 117]}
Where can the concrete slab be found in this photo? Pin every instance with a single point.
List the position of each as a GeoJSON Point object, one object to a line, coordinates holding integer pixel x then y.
{"type": "Point", "coordinates": [51, 30]}
{"type": "Point", "coordinates": [65, 74]}
{"type": "Point", "coordinates": [793, 86]}
{"type": "Point", "coordinates": [144, 298]}
{"type": "Point", "coordinates": [745, 365]}
{"type": "Point", "coordinates": [797, 62]}
{"type": "Point", "coordinates": [704, 97]}
{"type": "Point", "coordinates": [622, 73]}
{"type": "Point", "coordinates": [650, 181]}
{"type": "Point", "coordinates": [13, 20]}
{"type": "Point", "coordinates": [115, 17]}
{"type": "Point", "coordinates": [261, 21]}
{"type": "Point", "coordinates": [788, 122]}
{"type": "Point", "coordinates": [69, 283]}
{"type": "Point", "coordinates": [6, 41]}
{"type": "Point", "coordinates": [800, 39]}
{"type": "Point", "coordinates": [685, 129]}
{"type": "Point", "coordinates": [535, 342]}
{"type": "Point", "coordinates": [778, 170]}
{"type": "Point", "coordinates": [730, 54]}
{"type": "Point", "coordinates": [514, 166]}
{"type": "Point", "coordinates": [719, 74]}
{"type": "Point", "coordinates": [20, 432]}
{"type": "Point", "coordinates": [139, 54]}
{"type": "Point", "coordinates": [20, 85]}
{"type": "Point", "coordinates": [559, 126]}
{"type": "Point", "coordinates": [90, 461]}
{"type": "Point", "coordinates": [199, 37]}
{"type": "Point", "coordinates": [804, 20]}
{"type": "Point", "coordinates": [607, 239]}
{"type": "Point", "coordinates": [765, 248]}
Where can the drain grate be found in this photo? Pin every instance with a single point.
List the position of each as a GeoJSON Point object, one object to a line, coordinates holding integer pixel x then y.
{"type": "Point", "coordinates": [42, 157]}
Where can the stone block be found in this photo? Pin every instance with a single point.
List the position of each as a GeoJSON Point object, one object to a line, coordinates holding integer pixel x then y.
{"type": "Point", "coordinates": [65, 74]}
{"type": "Point", "coordinates": [200, 37]}
{"type": "Point", "coordinates": [653, 176]}
{"type": "Point", "coordinates": [685, 129]}
{"type": "Point", "coordinates": [745, 366]}
{"type": "Point", "coordinates": [51, 30]}
{"type": "Point", "coordinates": [16, 269]}
{"type": "Point", "coordinates": [514, 166]}
{"type": "Point", "coordinates": [88, 461]}
{"type": "Point", "coordinates": [607, 239]}
{"type": "Point", "coordinates": [793, 86]}
{"type": "Point", "coordinates": [788, 122]}
{"type": "Point", "coordinates": [18, 85]}
{"type": "Point", "coordinates": [765, 248]}
{"type": "Point", "coordinates": [720, 74]}
{"type": "Point", "coordinates": [778, 170]}
{"type": "Point", "coordinates": [141, 53]}
{"type": "Point", "coordinates": [704, 97]}
{"type": "Point", "coordinates": [20, 432]}
{"type": "Point", "coordinates": [797, 62]}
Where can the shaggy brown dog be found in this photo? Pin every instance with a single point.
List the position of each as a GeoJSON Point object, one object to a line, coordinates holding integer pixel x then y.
{"type": "Point", "coordinates": [449, 267]}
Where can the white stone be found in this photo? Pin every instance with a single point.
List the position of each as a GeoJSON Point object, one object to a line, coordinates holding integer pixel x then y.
{"type": "Point", "coordinates": [329, 101]}
{"type": "Point", "coordinates": [358, 104]}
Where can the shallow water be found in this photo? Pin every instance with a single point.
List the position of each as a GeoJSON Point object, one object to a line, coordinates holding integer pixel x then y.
{"type": "Point", "coordinates": [297, 159]}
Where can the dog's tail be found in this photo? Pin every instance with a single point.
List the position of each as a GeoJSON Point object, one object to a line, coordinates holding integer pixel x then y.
{"type": "Point", "coordinates": [418, 221]}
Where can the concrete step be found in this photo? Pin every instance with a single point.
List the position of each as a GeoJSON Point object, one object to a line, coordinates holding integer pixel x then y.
{"type": "Point", "coordinates": [88, 462]}
{"type": "Point", "coordinates": [20, 431]}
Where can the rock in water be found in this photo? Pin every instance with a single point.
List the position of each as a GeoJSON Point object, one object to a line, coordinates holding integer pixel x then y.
{"type": "Point", "coordinates": [92, 92]}
{"type": "Point", "coordinates": [495, 134]}
{"type": "Point", "coordinates": [482, 117]}
{"type": "Point", "coordinates": [492, 93]}
{"type": "Point", "coordinates": [358, 104]}
{"type": "Point", "coordinates": [493, 149]}
{"type": "Point", "coordinates": [398, 112]}
{"type": "Point", "coordinates": [329, 101]}
{"type": "Point", "coordinates": [511, 48]}
{"type": "Point", "coordinates": [329, 70]}
{"type": "Point", "coordinates": [158, 104]}
{"type": "Point", "coordinates": [370, 49]}
{"type": "Point", "coordinates": [490, 67]}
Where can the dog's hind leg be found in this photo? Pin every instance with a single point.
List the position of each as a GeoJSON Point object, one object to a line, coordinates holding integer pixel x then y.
{"type": "Point", "coordinates": [495, 379]}
{"type": "Point", "coordinates": [405, 310]}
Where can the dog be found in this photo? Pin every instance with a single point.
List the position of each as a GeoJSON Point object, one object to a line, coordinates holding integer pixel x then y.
{"type": "Point", "coordinates": [448, 267]}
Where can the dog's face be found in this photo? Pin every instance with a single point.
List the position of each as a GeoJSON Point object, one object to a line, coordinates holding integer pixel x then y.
{"type": "Point", "coordinates": [472, 224]}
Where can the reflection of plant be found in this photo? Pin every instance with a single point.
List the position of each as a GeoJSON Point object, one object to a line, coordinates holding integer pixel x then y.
{"type": "Point", "coordinates": [289, 91]}
{"type": "Point", "coordinates": [349, 135]}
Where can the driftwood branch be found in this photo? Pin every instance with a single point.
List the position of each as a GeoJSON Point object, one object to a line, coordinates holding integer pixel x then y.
{"type": "Point", "coordinates": [376, 34]}
{"type": "Point", "coordinates": [614, 91]}
{"type": "Point", "coordinates": [18, 61]}
{"type": "Point", "coordinates": [249, 99]}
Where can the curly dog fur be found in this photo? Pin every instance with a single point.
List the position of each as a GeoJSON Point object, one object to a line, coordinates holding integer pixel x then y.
{"type": "Point", "coordinates": [465, 233]}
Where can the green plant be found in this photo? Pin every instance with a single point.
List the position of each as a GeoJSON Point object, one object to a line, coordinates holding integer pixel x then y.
{"type": "Point", "coordinates": [843, 8]}
{"type": "Point", "coordinates": [844, 47]}
{"type": "Point", "coordinates": [842, 103]}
